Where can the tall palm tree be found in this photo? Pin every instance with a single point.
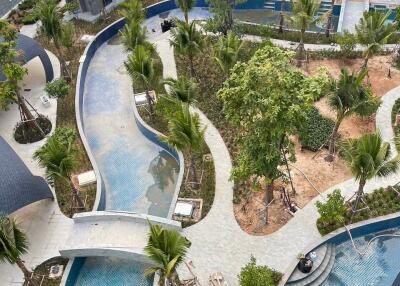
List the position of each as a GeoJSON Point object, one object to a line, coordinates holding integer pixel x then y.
{"type": "Point", "coordinates": [349, 96]}
{"type": "Point", "coordinates": [14, 243]}
{"type": "Point", "coordinates": [133, 35]}
{"type": "Point", "coordinates": [140, 67]}
{"type": "Point", "coordinates": [226, 51]}
{"type": "Point", "coordinates": [372, 32]}
{"type": "Point", "coordinates": [186, 134]}
{"type": "Point", "coordinates": [182, 88]}
{"type": "Point", "coordinates": [368, 157]}
{"type": "Point", "coordinates": [187, 41]}
{"type": "Point", "coordinates": [303, 15]}
{"type": "Point", "coordinates": [52, 27]}
{"type": "Point", "coordinates": [59, 159]}
{"type": "Point", "coordinates": [185, 6]}
{"type": "Point", "coordinates": [166, 249]}
{"type": "Point", "coordinates": [132, 11]}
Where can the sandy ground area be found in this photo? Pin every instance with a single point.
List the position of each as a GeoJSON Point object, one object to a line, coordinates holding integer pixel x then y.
{"type": "Point", "coordinates": [321, 174]}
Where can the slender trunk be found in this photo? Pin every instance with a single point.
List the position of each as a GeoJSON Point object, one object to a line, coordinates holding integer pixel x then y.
{"type": "Point", "coordinates": [332, 140]}
{"type": "Point", "coordinates": [283, 152]}
{"type": "Point", "coordinates": [161, 281]}
{"type": "Point", "coordinates": [365, 63]}
{"type": "Point", "coordinates": [76, 196]}
{"type": "Point", "coordinates": [27, 273]}
{"type": "Point", "coordinates": [150, 104]}
{"type": "Point", "coordinates": [359, 195]}
{"type": "Point", "coordinates": [300, 52]}
{"type": "Point", "coordinates": [192, 172]}
{"type": "Point", "coordinates": [281, 15]}
{"type": "Point", "coordinates": [191, 65]}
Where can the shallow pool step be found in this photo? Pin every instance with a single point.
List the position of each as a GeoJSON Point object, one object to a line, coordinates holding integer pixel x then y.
{"type": "Point", "coordinates": [320, 273]}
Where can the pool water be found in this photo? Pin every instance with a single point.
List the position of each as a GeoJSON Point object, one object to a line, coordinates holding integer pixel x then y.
{"type": "Point", "coordinates": [270, 17]}
{"type": "Point", "coordinates": [379, 266]}
{"type": "Point", "coordinates": [112, 271]}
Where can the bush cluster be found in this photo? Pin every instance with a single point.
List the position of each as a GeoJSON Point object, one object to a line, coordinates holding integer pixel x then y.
{"type": "Point", "coordinates": [316, 130]}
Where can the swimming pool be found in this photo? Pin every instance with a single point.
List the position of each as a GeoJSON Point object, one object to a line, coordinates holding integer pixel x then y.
{"type": "Point", "coordinates": [111, 271]}
{"type": "Point", "coordinates": [379, 266]}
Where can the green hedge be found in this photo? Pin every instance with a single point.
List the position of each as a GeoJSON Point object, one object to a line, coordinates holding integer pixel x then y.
{"type": "Point", "coordinates": [316, 130]}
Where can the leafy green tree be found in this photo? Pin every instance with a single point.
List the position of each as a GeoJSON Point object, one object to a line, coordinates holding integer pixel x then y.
{"type": "Point", "coordinates": [14, 73]}
{"type": "Point", "coordinates": [186, 6]}
{"type": "Point", "coordinates": [303, 16]}
{"type": "Point", "coordinates": [332, 211]}
{"type": "Point", "coordinates": [368, 157]}
{"type": "Point", "coordinates": [186, 134]}
{"type": "Point", "coordinates": [226, 51]}
{"type": "Point", "coordinates": [266, 99]}
{"type": "Point", "coordinates": [140, 66]}
{"type": "Point", "coordinates": [14, 243]}
{"type": "Point", "coordinates": [349, 96]}
{"type": "Point", "coordinates": [256, 275]}
{"type": "Point", "coordinates": [166, 249]}
{"type": "Point", "coordinates": [58, 88]}
{"type": "Point", "coordinates": [53, 29]}
{"type": "Point", "coordinates": [329, 21]}
{"type": "Point", "coordinates": [187, 41]}
{"type": "Point", "coordinates": [60, 160]}
{"type": "Point", "coordinates": [182, 88]}
{"type": "Point", "coordinates": [373, 32]}
{"type": "Point", "coordinates": [132, 11]}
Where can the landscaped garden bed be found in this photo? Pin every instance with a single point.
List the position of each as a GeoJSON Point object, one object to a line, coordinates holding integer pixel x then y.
{"type": "Point", "coordinates": [42, 271]}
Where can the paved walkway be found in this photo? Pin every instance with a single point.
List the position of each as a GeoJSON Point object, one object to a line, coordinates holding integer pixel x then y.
{"type": "Point", "coordinates": [219, 244]}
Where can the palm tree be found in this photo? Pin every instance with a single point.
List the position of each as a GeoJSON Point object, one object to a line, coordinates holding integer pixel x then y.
{"type": "Point", "coordinates": [14, 243]}
{"type": "Point", "coordinates": [140, 67]}
{"type": "Point", "coordinates": [132, 11]}
{"type": "Point", "coordinates": [185, 6]}
{"type": "Point", "coordinates": [59, 159]}
{"type": "Point", "coordinates": [52, 28]}
{"type": "Point", "coordinates": [349, 96]}
{"type": "Point", "coordinates": [133, 35]}
{"type": "Point", "coordinates": [166, 249]}
{"type": "Point", "coordinates": [303, 15]}
{"type": "Point", "coordinates": [186, 135]}
{"type": "Point", "coordinates": [182, 88]}
{"type": "Point", "coordinates": [368, 157]}
{"type": "Point", "coordinates": [372, 32]}
{"type": "Point", "coordinates": [226, 51]}
{"type": "Point", "coordinates": [187, 41]}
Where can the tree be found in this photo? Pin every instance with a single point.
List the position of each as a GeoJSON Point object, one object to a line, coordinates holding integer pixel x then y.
{"type": "Point", "coordinates": [226, 51]}
{"type": "Point", "coordinates": [349, 96]}
{"type": "Point", "coordinates": [256, 275]}
{"type": "Point", "coordinates": [282, 16]}
{"type": "Point", "coordinates": [185, 6]}
{"type": "Point", "coordinates": [132, 11]}
{"type": "Point", "coordinates": [53, 29]}
{"type": "Point", "coordinates": [329, 22]}
{"type": "Point", "coordinates": [14, 243]}
{"type": "Point", "coordinates": [59, 158]}
{"type": "Point", "coordinates": [372, 31]}
{"type": "Point", "coordinates": [14, 73]}
{"type": "Point", "coordinates": [368, 157]}
{"type": "Point", "coordinates": [187, 41]}
{"type": "Point", "coordinates": [182, 88]}
{"type": "Point", "coordinates": [58, 88]}
{"type": "Point", "coordinates": [185, 134]}
{"type": "Point", "coordinates": [333, 211]}
{"type": "Point", "coordinates": [303, 15]}
{"type": "Point", "coordinates": [166, 249]}
{"type": "Point", "coordinates": [133, 35]}
{"type": "Point", "coordinates": [266, 100]}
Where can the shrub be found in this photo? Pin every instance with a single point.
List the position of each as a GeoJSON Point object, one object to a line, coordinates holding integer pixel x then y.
{"type": "Point", "coordinates": [257, 275]}
{"type": "Point", "coordinates": [65, 135]}
{"type": "Point", "coordinates": [316, 130]}
{"type": "Point", "coordinates": [347, 42]}
{"type": "Point", "coordinates": [58, 88]}
{"type": "Point", "coordinates": [319, 85]}
{"type": "Point", "coordinates": [333, 210]}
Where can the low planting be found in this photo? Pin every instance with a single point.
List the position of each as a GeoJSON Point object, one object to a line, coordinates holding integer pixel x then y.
{"type": "Point", "coordinates": [335, 212]}
{"type": "Point", "coordinates": [258, 275]}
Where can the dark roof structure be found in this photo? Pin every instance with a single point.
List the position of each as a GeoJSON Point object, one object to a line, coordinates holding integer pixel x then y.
{"type": "Point", "coordinates": [18, 187]}
{"type": "Point", "coordinates": [31, 49]}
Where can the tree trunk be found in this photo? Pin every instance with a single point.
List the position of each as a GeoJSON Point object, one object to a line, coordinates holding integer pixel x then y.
{"type": "Point", "coordinates": [65, 72]}
{"type": "Point", "coordinates": [76, 196]}
{"type": "Point", "coordinates": [192, 172]}
{"type": "Point", "coordinates": [300, 49]}
{"type": "Point", "coordinates": [186, 14]}
{"type": "Point", "coordinates": [150, 104]}
{"type": "Point", "coordinates": [161, 281]}
{"type": "Point", "coordinates": [332, 141]}
{"type": "Point", "coordinates": [359, 195]}
{"type": "Point", "coordinates": [32, 123]}
{"type": "Point", "coordinates": [288, 170]}
{"type": "Point", "coordinates": [365, 63]}
{"type": "Point", "coordinates": [27, 273]}
{"type": "Point", "coordinates": [191, 65]}
{"type": "Point", "coordinates": [281, 15]}
{"type": "Point", "coordinates": [329, 23]}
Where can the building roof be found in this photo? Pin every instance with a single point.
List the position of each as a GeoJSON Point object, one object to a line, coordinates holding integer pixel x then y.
{"type": "Point", "coordinates": [18, 187]}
